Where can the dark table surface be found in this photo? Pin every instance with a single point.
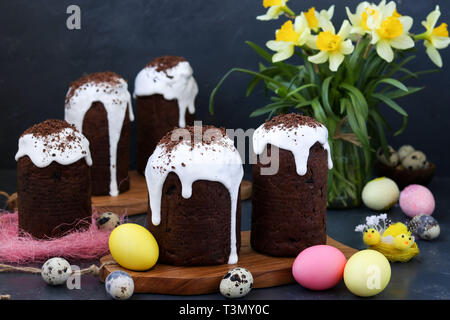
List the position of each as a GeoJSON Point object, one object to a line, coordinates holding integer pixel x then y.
{"type": "Point", "coordinates": [425, 277]}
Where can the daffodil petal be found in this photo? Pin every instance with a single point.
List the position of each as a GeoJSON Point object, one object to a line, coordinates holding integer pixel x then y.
{"type": "Point", "coordinates": [384, 50]}
{"type": "Point", "coordinates": [352, 17]}
{"type": "Point", "coordinates": [304, 37]}
{"type": "Point", "coordinates": [319, 58]}
{"type": "Point", "coordinates": [347, 47]}
{"type": "Point", "coordinates": [432, 18]}
{"type": "Point", "coordinates": [440, 42]}
{"type": "Point", "coordinates": [326, 24]}
{"type": "Point", "coordinates": [407, 23]}
{"type": "Point", "coordinates": [345, 29]}
{"type": "Point", "coordinates": [277, 45]}
{"type": "Point", "coordinates": [272, 14]}
{"type": "Point", "coordinates": [433, 54]}
{"type": "Point", "coordinates": [311, 42]}
{"type": "Point", "coordinates": [284, 50]}
{"type": "Point", "coordinates": [335, 60]}
{"type": "Point", "coordinates": [403, 42]}
{"type": "Point", "coordinates": [300, 23]}
{"type": "Point", "coordinates": [330, 12]}
{"type": "Point", "coordinates": [375, 37]}
{"type": "Point", "coordinates": [389, 9]}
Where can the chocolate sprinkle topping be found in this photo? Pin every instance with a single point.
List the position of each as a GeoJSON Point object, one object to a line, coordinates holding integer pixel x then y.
{"type": "Point", "coordinates": [206, 135]}
{"type": "Point", "coordinates": [165, 62]}
{"type": "Point", "coordinates": [107, 77]}
{"type": "Point", "coordinates": [291, 120]}
{"type": "Point", "coordinates": [50, 127]}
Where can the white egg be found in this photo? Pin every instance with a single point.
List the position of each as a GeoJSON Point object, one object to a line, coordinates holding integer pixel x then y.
{"type": "Point", "coordinates": [380, 194]}
{"type": "Point", "coordinates": [119, 285]}
{"type": "Point", "coordinates": [56, 271]}
{"type": "Point", "coordinates": [236, 283]}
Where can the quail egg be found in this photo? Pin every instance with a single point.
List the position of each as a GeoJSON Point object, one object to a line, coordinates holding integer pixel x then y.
{"type": "Point", "coordinates": [56, 271]}
{"type": "Point", "coordinates": [236, 283]}
{"type": "Point", "coordinates": [393, 157]}
{"type": "Point", "coordinates": [119, 285]}
{"type": "Point", "coordinates": [405, 151]}
{"type": "Point", "coordinates": [416, 160]}
{"type": "Point", "coordinates": [108, 221]}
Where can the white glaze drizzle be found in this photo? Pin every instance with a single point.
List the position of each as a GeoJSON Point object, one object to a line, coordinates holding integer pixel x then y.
{"type": "Point", "coordinates": [204, 162]}
{"type": "Point", "coordinates": [116, 99]}
{"type": "Point", "coordinates": [174, 83]}
{"type": "Point", "coordinates": [297, 139]}
{"type": "Point", "coordinates": [43, 150]}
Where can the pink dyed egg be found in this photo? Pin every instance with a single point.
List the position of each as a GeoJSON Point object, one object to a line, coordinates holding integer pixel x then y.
{"type": "Point", "coordinates": [416, 199]}
{"type": "Point", "coordinates": [319, 267]}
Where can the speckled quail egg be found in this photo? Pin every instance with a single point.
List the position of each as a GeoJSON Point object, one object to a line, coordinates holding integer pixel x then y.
{"type": "Point", "coordinates": [393, 157]}
{"type": "Point", "coordinates": [405, 151]}
{"type": "Point", "coordinates": [425, 226]}
{"type": "Point", "coordinates": [108, 221]}
{"type": "Point", "coordinates": [236, 283]}
{"type": "Point", "coordinates": [56, 271]}
{"type": "Point", "coordinates": [416, 160]}
{"type": "Point", "coordinates": [119, 285]}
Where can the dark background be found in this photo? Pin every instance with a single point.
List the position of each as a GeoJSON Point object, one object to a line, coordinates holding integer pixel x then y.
{"type": "Point", "coordinates": [39, 57]}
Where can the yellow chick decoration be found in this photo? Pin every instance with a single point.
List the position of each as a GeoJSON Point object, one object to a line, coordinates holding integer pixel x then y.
{"type": "Point", "coordinates": [394, 241]}
{"type": "Point", "coordinates": [371, 237]}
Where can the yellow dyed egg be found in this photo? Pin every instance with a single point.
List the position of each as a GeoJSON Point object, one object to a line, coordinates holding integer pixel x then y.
{"type": "Point", "coordinates": [380, 194]}
{"type": "Point", "coordinates": [367, 273]}
{"type": "Point", "coordinates": [133, 247]}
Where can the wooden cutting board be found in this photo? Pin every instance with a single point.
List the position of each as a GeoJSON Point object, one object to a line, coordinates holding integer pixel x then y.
{"type": "Point", "coordinates": [135, 200]}
{"type": "Point", "coordinates": [164, 279]}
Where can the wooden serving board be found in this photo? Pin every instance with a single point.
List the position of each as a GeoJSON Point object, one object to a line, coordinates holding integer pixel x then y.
{"type": "Point", "coordinates": [267, 271]}
{"type": "Point", "coordinates": [135, 200]}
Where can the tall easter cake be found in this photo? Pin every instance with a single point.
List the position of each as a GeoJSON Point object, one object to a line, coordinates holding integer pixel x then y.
{"type": "Point", "coordinates": [164, 90]}
{"type": "Point", "coordinates": [193, 180]}
{"type": "Point", "coordinates": [289, 204]}
{"type": "Point", "coordinates": [99, 105]}
{"type": "Point", "coordinates": [53, 179]}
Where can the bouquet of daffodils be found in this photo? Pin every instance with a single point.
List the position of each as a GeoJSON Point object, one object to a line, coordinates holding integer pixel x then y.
{"type": "Point", "coordinates": [340, 77]}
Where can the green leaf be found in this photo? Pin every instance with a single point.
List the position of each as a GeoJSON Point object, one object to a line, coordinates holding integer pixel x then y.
{"type": "Point", "coordinates": [319, 114]}
{"type": "Point", "coordinates": [391, 103]}
{"type": "Point", "coordinates": [400, 93]}
{"type": "Point", "coordinates": [256, 74]}
{"type": "Point", "coordinates": [357, 98]}
{"type": "Point", "coordinates": [252, 85]}
{"type": "Point", "coordinates": [392, 82]}
{"type": "Point", "coordinates": [293, 92]}
{"type": "Point", "coordinates": [404, 124]}
{"type": "Point", "coordinates": [260, 51]}
{"type": "Point", "coordinates": [272, 107]}
{"type": "Point", "coordinates": [325, 92]}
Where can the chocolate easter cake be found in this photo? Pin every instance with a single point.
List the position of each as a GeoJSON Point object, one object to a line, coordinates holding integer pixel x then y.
{"type": "Point", "coordinates": [99, 105]}
{"type": "Point", "coordinates": [193, 180]}
{"type": "Point", "coordinates": [53, 179]}
{"type": "Point", "coordinates": [289, 202]}
{"type": "Point", "coordinates": [164, 89]}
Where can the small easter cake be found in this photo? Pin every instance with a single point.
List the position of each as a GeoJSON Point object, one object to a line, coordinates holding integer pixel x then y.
{"type": "Point", "coordinates": [53, 181]}
{"type": "Point", "coordinates": [165, 92]}
{"type": "Point", "coordinates": [193, 180]}
{"type": "Point", "coordinates": [99, 105]}
{"type": "Point", "coordinates": [289, 203]}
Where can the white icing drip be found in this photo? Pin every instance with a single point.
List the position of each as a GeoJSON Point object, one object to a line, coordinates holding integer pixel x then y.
{"type": "Point", "coordinates": [43, 150]}
{"type": "Point", "coordinates": [174, 83]}
{"type": "Point", "coordinates": [116, 99]}
{"type": "Point", "coordinates": [223, 164]}
{"type": "Point", "coordinates": [298, 140]}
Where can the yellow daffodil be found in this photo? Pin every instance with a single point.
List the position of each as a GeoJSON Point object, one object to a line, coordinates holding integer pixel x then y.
{"type": "Point", "coordinates": [332, 46]}
{"type": "Point", "coordinates": [435, 37]}
{"type": "Point", "coordinates": [288, 36]}
{"type": "Point", "coordinates": [390, 30]}
{"type": "Point", "coordinates": [359, 18]}
{"type": "Point", "coordinates": [313, 17]}
{"type": "Point", "coordinates": [276, 9]}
